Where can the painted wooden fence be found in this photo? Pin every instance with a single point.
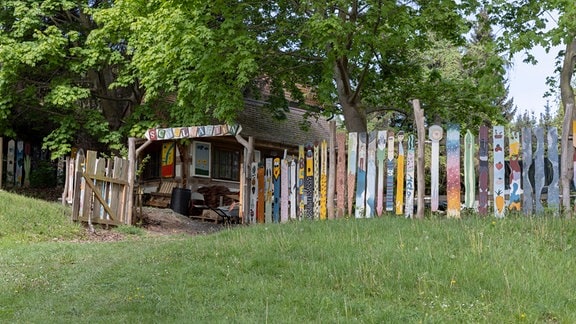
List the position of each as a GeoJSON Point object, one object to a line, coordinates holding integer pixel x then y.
{"type": "Point", "coordinates": [375, 175]}
{"type": "Point", "coordinates": [97, 189]}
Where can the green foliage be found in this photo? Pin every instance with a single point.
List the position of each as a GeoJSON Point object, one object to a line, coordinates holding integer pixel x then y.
{"type": "Point", "coordinates": [43, 175]}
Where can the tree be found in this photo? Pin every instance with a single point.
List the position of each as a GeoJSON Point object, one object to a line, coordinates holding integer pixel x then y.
{"type": "Point", "coordinates": [53, 80]}
{"type": "Point", "coordinates": [527, 24]}
{"type": "Point", "coordinates": [361, 56]}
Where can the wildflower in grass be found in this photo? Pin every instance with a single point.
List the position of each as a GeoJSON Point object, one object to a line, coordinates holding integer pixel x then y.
{"type": "Point", "coordinates": [452, 282]}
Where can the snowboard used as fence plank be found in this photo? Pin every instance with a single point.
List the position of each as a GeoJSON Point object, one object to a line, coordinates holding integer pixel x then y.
{"type": "Point", "coordinates": [309, 182]}
{"type": "Point", "coordinates": [539, 174]}
{"type": "Point", "coordinates": [410, 183]}
{"type": "Point", "coordinates": [276, 184]}
{"type": "Point", "coordinates": [253, 192]}
{"type": "Point", "coordinates": [352, 163]}
{"type": "Point", "coordinates": [380, 156]}
{"type": "Point", "coordinates": [390, 173]}
{"type": "Point", "coordinates": [400, 175]}
{"type": "Point", "coordinates": [515, 201]}
{"type": "Point", "coordinates": [371, 180]}
{"type": "Point", "coordinates": [19, 163]}
{"type": "Point", "coordinates": [361, 177]}
{"type": "Point", "coordinates": [341, 174]}
{"type": "Point", "coordinates": [499, 171]}
{"type": "Point", "coordinates": [469, 174]}
{"type": "Point", "coordinates": [453, 170]}
{"type": "Point", "coordinates": [435, 134]}
{"type": "Point", "coordinates": [553, 187]}
{"type": "Point", "coordinates": [527, 185]}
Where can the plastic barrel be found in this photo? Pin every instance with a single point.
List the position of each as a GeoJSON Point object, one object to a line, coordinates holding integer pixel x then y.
{"type": "Point", "coordinates": [180, 200]}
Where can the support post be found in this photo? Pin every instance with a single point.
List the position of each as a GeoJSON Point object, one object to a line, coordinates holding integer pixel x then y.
{"type": "Point", "coordinates": [132, 158]}
{"type": "Point", "coordinates": [248, 158]}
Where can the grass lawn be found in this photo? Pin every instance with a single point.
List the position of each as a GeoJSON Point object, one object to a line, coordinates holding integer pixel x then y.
{"type": "Point", "coordinates": [379, 270]}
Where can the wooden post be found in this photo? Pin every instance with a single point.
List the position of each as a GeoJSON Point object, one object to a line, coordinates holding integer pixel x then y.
{"type": "Point", "coordinates": [331, 169]}
{"type": "Point", "coordinates": [132, 158]}
{"type": "Point", "coordinates": [249, 145]}
{"type": "Point", "coordinates": [419, 119]}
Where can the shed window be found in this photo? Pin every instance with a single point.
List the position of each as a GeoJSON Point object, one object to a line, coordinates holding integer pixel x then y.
{"type": "Point", "coordinates": [226, 164]}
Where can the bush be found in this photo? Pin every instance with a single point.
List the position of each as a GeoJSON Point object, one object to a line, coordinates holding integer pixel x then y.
{"type": "Point", "coordinates": [43, 175]}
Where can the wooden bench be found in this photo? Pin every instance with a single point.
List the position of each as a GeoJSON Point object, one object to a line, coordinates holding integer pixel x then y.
{"type": "Point", "coordinates": [161, 198]}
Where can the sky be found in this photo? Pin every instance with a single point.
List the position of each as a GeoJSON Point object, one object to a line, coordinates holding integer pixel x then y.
{"type": "Point", "coordinates": [528, 82]}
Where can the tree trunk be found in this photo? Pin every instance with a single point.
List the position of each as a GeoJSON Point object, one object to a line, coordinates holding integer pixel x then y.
{"type": "Point", "coordinates": [349, 99]}
{"type": "Point", "coordinates": [567, 150]}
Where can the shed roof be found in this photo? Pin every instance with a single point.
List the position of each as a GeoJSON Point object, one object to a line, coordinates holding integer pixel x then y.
{"type": "Point", "coordinates": [260, 124]}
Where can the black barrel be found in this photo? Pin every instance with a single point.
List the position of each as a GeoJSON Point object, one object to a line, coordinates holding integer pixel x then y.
{"type": "Point", "coordinates": [180, 200]}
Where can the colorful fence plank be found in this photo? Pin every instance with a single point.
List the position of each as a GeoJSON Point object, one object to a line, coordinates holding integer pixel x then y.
{"type": "Point", "coordinates": [435, 133]}
{"type": "Point", "coordinates": [293, 189]}
{"type": "Point", "coordinates": [276, 184]}
{"type": "Point", "coordinates": [10, 166]}
{"type": "Point", "coordinates": [469, 174]}
{"type": "Point", "coordinates": [400, 175]}
{"type": "Point", "coordinates": [316, 180]}
{"type": "Point", "coordinates": [410, 183]}
{"type": "Point", "coordinates": [284, 191]}
{"type": "Point", "coordinates": [253, 192]}
{"type": "Point", "coordinates": [499, 171]}
{"type": "Point", "coordinates": [360, 208]}
{"type": "Point", "coordinates": [260, 208]}
{"type": "Point", "coordinates": [515, 201]}
{"type": "Point", "coordinates": [269, 190]}
{"type": "Point", "coordinates": [390, 173]}
{"type": "Point", "coordinates": [483, 170]}
{"type": "Point", "coordinates": [380, 156]}
{"type": "Point", "coordinates": [323, 179]}
{"type": "Point", "coordinates": [539, 175]}
{"type": "Point", "coordinates": [371, 181]}
{"type": "Point", "coordinates": [527, 201]}
{"type": "Point", "coordinates": [553, 187]}
{"type": "Point", "coordinates": [341, 174]}
{"type": "Point", "coordinates": [309, 182]}
{"type": "Point", "coordinates": [301, 177]}
{"type": "Point", "coordinates": [453, 170]}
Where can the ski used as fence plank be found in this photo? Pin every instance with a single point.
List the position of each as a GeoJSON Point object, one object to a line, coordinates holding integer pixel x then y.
{"type": "Point", "coordinates": [539, 174]}
{"type": "Point", "coordinates": [410, 183]}
{"type": "Point", "coordinates": [499, 171]}
{"type": "Point", "coordinates": [528, 201]}
{"type": "Point", "coordinates": [380, 156]}
{"type": "Point", "coordinates": [435, 133]}
{"type": "Point", "coordinates": [19, 163]}
{"type": "Point", "coordinates": [515, 201]}
{"type": "Point", "coordinates": [361, 177]}
{"type": "Point", "coordinates": [301, 176]}
{"type": "Point", "coordinates": [400, 175]}
{"type": "Point", "coordinates": [469, 174]}
{"type": "Point", "coordinates": [553, 187]}
{"type": "Point", "coordinates": [323, 179]}
{"type": "Point", "coordinates": [453, 170]}
{"type": "Point", "coordinates": [293, 188]}
{"type": "Point", "coordinates": [371, 180]}
{"type": "Point", "coordinates": [390, 173]}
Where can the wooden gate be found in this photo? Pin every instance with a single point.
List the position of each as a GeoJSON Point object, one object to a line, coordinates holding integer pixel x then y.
{"type": "Point", "coordinates": [97, 188]}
